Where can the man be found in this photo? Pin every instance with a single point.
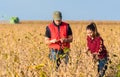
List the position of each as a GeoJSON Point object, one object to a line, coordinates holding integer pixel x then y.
{"type": "Point", "coordinates": [58, 36]}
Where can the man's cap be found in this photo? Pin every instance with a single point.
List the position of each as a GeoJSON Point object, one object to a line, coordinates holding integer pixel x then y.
{"type": "Point", "coordinates": [57, 15]}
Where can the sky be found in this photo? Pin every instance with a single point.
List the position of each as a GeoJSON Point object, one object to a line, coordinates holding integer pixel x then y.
{"type": "Point", "coordinates": [71, 9]}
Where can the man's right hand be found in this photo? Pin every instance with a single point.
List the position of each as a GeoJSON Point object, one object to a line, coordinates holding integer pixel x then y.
{"type": "Point", "coordinates": [53, 41]}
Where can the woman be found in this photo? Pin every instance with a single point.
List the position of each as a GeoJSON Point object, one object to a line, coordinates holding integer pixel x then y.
{"type": "Point", "coordinates": [96, 47]}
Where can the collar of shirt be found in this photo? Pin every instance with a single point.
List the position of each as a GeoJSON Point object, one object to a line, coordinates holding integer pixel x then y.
{"type": "Point", "coordinates": [56, 24]}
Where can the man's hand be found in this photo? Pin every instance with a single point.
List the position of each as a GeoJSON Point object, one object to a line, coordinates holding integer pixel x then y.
{"type": "Point", "coordinates": [68, 39]}
{"type": "Point", "coordinates": [63, 40]}
{"type": "Point", "coordinates": [48, 41]}
{"type": "Point", "coordinates": [53, 41]}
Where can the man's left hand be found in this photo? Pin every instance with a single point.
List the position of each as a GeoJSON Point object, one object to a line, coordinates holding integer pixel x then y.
{"type": "Point", "coordinates": [63, 40]}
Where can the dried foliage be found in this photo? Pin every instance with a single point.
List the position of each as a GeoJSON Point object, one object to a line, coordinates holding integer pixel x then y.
{"type": "Point", "coordinates": [23, 52]}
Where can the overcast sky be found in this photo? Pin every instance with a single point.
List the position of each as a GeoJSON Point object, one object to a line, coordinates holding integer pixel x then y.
{"type": "Point", "coordinates": [71, 9]}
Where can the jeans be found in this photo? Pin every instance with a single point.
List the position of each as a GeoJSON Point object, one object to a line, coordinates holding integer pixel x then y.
{"type": "Point", "coordinates": [102, 66]}
{"type": "Point", "coordinates": [55, 56]}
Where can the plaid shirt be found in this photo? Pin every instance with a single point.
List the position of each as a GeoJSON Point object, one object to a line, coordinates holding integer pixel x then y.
{"type": "Point", "coordinates": [96, 45]}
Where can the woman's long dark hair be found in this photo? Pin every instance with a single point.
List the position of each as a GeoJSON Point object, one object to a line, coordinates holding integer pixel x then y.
{"type": "Point", "coordinates": [92, 26]}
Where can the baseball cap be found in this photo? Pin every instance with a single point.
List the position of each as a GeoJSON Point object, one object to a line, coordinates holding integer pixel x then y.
{"type": "Point", "coordinates": [57, 15]}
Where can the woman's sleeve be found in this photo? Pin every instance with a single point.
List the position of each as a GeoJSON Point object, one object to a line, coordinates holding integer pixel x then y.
{"type": "Point", "coordinates": [99, 45]}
